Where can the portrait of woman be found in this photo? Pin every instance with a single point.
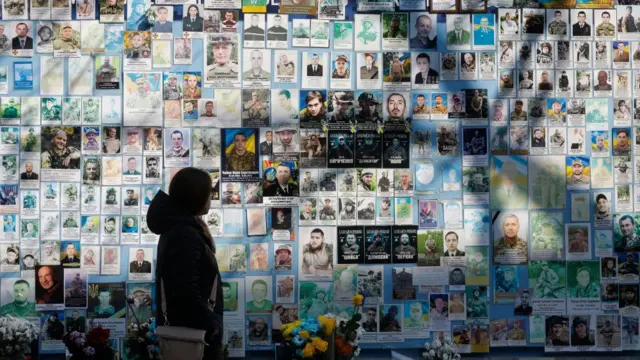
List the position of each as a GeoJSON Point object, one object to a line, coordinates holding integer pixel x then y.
{"type": "Point", "coordinates": [192, 22]}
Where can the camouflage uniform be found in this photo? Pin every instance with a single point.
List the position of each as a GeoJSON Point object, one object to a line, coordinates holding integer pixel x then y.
{"type": "Point", "coordinates": [112, 10]}
{"type": "Point", "coordinates": [502, 247]}
{"type": "Point", "coordinates": [228, 70]}
{"type": "Point", "coordinates": [66, 44]}
{"type": "Point", "coordinates": [558, 28]}
{"type": "Point", "coordinates": [605, 29]}
{"type": "Point", "coordinates": [244, 162]}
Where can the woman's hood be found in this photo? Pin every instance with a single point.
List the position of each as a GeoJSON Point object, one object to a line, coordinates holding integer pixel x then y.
{"type": "Point", "coordinates": [164, 214]}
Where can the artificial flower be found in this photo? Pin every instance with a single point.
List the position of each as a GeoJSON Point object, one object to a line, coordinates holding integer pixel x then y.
{"type": "Point", "coordinates": [298, 341]}
{"type": "Point", "coordinates": [357, 300]}
{"type": "Point", "coordinates": [320, 344]}
{"type": "Point", "coordinates": [304, 334]}
{"type": "Point", "coordinates": [308, 351]}
{"type": "Point", "coordinates": [327, 323]}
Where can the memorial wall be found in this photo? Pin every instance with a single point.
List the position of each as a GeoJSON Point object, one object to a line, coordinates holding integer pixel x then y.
{"type": "Point", "coordinates": [468, 167]}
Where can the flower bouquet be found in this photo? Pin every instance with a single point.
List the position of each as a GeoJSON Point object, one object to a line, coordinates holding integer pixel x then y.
{"type": "Point", "coordinates": [17, 337]}
{"type": "Point", "coordinates": [94, 346]}
{"type": "Point", "coordinates": [441, 350]}
{"type": "Point", "coordinates": [309, 339]}
{"type": "Point", "coordinates": [348, 333]}
{"type": "Point", "coordinates": [145, 343]}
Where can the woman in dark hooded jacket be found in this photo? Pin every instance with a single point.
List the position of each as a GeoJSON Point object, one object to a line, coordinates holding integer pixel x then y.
{"type": "Point", "coordinates": [186, 257]}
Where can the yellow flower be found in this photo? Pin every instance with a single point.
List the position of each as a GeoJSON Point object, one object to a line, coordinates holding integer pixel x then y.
{"type": "Point", "coordinates": [308, 351]}
{"type": "Point", "coordinates": [357, 300]}
{"type": "Point", "coordinates": [320, 344]}
{"type": "Point", "coordinates": [304, 334]}
{"type": "Point", "coordinates": [327, 323]}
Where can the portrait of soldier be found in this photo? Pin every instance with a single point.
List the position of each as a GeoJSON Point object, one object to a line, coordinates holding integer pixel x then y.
{"type": "Point", "coordinates": [59, 155]}
{"type": "Point", "coordinates": [510, 241]}
{"type": "Point", "coordinates": [222, 46]}
{"type": "Point", "coordinates": [317, 255]}
{"type": "Point", "coordinates": [240, 158]}
{"type": "Point", "coordinates": [282, 187]}
{"type": "Point", "coordinates": [140, 265]}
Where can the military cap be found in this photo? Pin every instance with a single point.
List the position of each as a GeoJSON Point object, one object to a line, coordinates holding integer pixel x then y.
{"type": "Point", "coordinates": [576, 162]}
{"type": "Point", "coordinates": [342, 57]}
{"type": "Point", "coordinates": [367, 172]}
{"type": "Point", "coordinates": [369, 97]}
{"type": "Point", "coordinates": [343, 97]}
{"type": "Point", "coordinates": [285, 127]}
{"type": "Point", "coordinates": [222, 38]}
{"type": "Point", "coordinates": [283, 248]}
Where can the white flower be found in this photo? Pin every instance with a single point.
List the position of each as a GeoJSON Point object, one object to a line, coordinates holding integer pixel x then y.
{"type": "Point", "coordinates": [356, 352]}
{"type": "Point", "coordinates": [437, 343]}
{"type": "Point", "coordinates": [445, 357]}
{"type": "Point", "coordinates": [457, 357]}
{"type": "Point", "coordinates": [432, 353]}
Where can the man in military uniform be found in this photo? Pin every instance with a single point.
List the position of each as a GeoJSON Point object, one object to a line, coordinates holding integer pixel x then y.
{"type": "Point", "coordinates": [266, 146]}
{"type": "Point", "coordinates": [518, 114]}
{"type": "Point", "coordinates": [439, 107]}
{"type": "Point", "coordinates": [420, 108]}
{"type": "Point", "coordinates": [516, 333]}
{"type": "Point", "coordinates": [350, 247]}
{"type": "Point", "coordinates": [240, 159]}
{"type": "Point", "coordinates": [308, 184]}
{"type": "Point", "coordinates": [404, 248]}
{"type": "Point", "coordinates": [112, 8]}
{"type": "Point", "coordinates": [5, 44]}
{"type": "Point", "coordinates": [510, 242]}
{"type": "Point", "coordinates": [143, 98]}
{"type": "Point", "coordinates": [341, 150]}
{"type": "Point", "coordinates": [579, 243]}
{"type": "Point", "coordinates": [256, 73]}
{"type": "Point", "coordinates": [395, 151]}
{"type": "Point", "coordinates": [315, 111]}
{"type": "Point", "coordinates": [585, 288]}
{"type": "Point", "coordinates": [20, 307]}
{"type": "Point", "coordinates": [256, 109]}
{"type": "Point", "coordinates": [177, 150]}
{"type": "Point", "coordinates": [629, 240]}
{"type": "Point", "coordinates": [396, 105]}
{"type": "Point", "coordinates": [547, 283]}
{"type": "Point", "coordinates": [366, 184]}
{"type": "Point", "coordinates": [367, 213]}
{"type": "Point", "coordinates": [138, 49]}
{"type": "Point", "coordinates": [222, 67]}
{"type": "Point", "coordinates": [415, 321]}
{"type": "Point", "coordinates": [66, 41]}
{"type": "Point", "coordinates": [106, 72]}
{"type": "Point", "coordinates": [623, 146]}
{"type": "Point", "coordinates": [476, 265]}
{"type": "Point", "coordinates": [59, 155]}
{"type": "Point", "coordinates": [51, 111]}
{"type": "Point", "coordinates": [368, 109]}
{"type": "Point", "coordinates": [628, 267]}
{"type": "Point", "coordinates": [371, 325]}
{"type": "Point", "coordinates": [558, 26]}
{"type": "Point", "coordinates": [327, 184]}
{"type": "Point", "coordinates": [130, 200]}
{"type": "Point", "coordinates": [11, 112]}
{"type": "Point", "coordinates": [577, 177]}
{"type": "Point", "coordinates": [342, 110]}
{"type": "Point", "coordinates": [607, 333]}
{"type": "Point", "coordinates": [476, 306]}
{"type": "Point", "coordinates": [172, 89]}
{"type": "Point", "coordinates": [327, 212]}
{"type": "Point", "coordinates": [341, 71]}
{"type": "Point", "coordinates": [605, 28]}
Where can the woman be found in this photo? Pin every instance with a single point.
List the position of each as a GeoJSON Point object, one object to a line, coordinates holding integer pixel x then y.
{"type": "Point", "coordinates": [192, 22]}
{"type": "Point", "coordinates": [186, 257]}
